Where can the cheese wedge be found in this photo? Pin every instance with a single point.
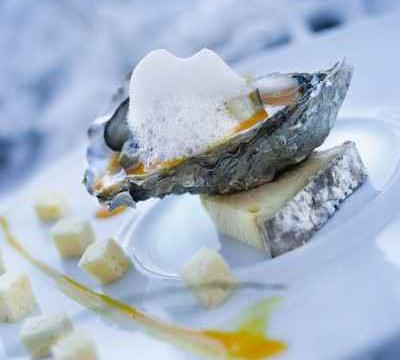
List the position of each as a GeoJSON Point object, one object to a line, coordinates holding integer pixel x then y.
{"type": "Point", "coordinates": [40, 333]}
{"type": "Point", "coordinates": [75, 346]}
{"type": "Point", "coordinates": [284, 214]}
{"type": "Point", "coordinates": [16, 297]}
{"type": "Point", "coordinates": [209, 276]}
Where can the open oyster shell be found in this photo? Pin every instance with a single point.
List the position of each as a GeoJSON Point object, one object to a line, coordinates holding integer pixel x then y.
{"type": "Point", "coordinates": [246, 160]}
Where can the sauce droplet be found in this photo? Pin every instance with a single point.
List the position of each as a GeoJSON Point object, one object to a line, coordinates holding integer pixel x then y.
{"type": "Point", "coordinates": [247, 124]}
{"type": "Point", "coordinates": [114, 165]}
{"type": "Point", "coordinates": [104, 213]}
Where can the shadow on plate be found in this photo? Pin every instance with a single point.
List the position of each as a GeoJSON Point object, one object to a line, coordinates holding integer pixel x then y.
{"type": "Point", "coordinates": [388, 350]}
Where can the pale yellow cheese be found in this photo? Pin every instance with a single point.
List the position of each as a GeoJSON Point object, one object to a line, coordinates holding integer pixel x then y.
{"type": "Point", "coordinates": [75, 346]}
{"type": "Point", "coordinates": [16, 296]}
{"type": "Point", "coordinates": [72, 237]}
{"type": "Point", "coordinates": [51, 207]}
{"type": "Point", "coordinates": [40, 333]}
{"type": "Point", "coordinates": [105, 261]}
{"type": "Point", "coordinates": [209, 277]}
{"type": "Point", "coordinates": [242, 215]}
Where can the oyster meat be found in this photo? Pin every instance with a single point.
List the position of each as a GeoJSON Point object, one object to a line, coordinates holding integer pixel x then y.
{"type": "Point", "coordinates": [244, 160]}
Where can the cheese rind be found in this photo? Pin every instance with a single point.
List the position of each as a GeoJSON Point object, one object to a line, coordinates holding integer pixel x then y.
{"type": "Point", "coordinates": [105, 261]}
{"type": "Point", "coordinates": [40, 333]}
{"type": "Point", "coordinates": [284, 214]}
{"type": "Point", "coordinates": [51, 207]}
{"type": "Point", "coordinates": [209, 277]}
{"type": "Point", "coordinates": [72, 237]}
{"type": "Point", "coordinates": [75, 346]}
{"type": "Point", "coordinates": [16, 296]}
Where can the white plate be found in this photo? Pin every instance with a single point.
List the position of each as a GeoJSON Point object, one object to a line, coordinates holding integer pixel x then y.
{"type": "Point", "coordinates": [342, 290]}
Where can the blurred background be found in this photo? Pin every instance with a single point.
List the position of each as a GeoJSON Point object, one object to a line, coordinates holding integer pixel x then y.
{"type": "Point", "coordinates": [62, 60]}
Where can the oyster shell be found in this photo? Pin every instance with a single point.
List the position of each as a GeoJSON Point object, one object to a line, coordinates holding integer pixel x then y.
{"type": "Point", "coordinates": [244, 161]}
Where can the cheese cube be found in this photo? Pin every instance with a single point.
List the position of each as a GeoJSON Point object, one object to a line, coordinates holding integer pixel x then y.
{"type": "Point", "coordinates": [16, 296]}
{"type": "Point", "coordinates": [40, 333]}
{"type": "Point", "coordinates": [105, 261]}
{"type": "Point", "coordinates": [209, 276]}
{"type": "Point", "coordinates": [51, 207]}
{"type": "Point", "coordinates": [72, 237]}
{"type": "Point", "coordinates": [75, 346]}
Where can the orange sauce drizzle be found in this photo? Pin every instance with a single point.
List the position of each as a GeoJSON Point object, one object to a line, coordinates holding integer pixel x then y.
{"type": "Point", "coordinates": [114, 165]}
{"type": "Point", "coordinates": [98, 185]}
{"type": "Point", "coordinates": [245, 345]}
{"type": "Point", "coordinates": [284, 97]}
{"type": "Point", "coordinates": [246, 124]}
{"type": "Point", "coordinates": [170, 163]}
{"type": "Point", "coordinates": [141, 169]}
{"type": "Point", "coordinates": [241, 344]}
{"type": "Point", "coordinates": [104, 213]}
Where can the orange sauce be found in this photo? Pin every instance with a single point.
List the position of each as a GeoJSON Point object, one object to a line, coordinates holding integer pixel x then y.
{"type": "Point", "coordinates": [114, 165]}
{"type": "Point", "coordinates": [247, 124]}
{"type": "Point", "coordinates": [249, 342]}
{"type": "Point", "coordinates": [104, 213]}
{"type": "Point", "coordinates": [141, 169]}
{"type": "Point", "coordinates": [170, 163]}
{"type": "Point", "coordinates": [245, 345]}
{"type": "Point", "coordinates": [98, 185]}
{"type": "Point", "coordinates": [284, 97]}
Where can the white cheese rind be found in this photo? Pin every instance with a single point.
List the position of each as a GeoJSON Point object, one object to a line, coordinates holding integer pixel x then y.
{"type": "Point", "coordinates": [75, 346]}
{"type": "Point", "coordinates": [105, 261]}
{"type": "Point", "coordinates": [51, 207]}
{"type": "Point", "coordinates": [16, 296]}
{"type": "Point", "coordinates": [311, 208]}
{"type": "Point", "coordinates": [284, 214]}
{"type": "Point", "coordinates": [40, 333]}
{"type": "Point", "coordinates": [72, 237]}
{"type": "Point", "coordinates": [209, 277]}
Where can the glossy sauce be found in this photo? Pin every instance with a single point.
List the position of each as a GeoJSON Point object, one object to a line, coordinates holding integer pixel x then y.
{"type": "Point", "coordinates": [249, 342]}
{"type": "Point", "coordinates": [246, 345]}
{"type": "Point", "coordinates": [141, 169]}
{"type": "Point", "coordinates": [114, 165]}
{"type": "Point", "coordinates": [104, 213]}
{"type": "Point", "coordinates": [247, 124]}
{"type": "Point", "coordinates": [281, 98]}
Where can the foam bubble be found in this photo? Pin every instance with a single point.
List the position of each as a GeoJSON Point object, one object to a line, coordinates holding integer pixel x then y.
{"type": "Point", "coordinates": [177, 105]}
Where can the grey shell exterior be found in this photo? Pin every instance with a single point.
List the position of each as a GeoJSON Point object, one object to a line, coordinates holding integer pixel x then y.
{"type": "Point", "coordinates": [246, 160]}
{"type": "Point", "coordinates": [311, 208]}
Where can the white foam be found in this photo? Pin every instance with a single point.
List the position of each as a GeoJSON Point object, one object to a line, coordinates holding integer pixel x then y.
{"type": "Point", "coordinates": [177, 105]}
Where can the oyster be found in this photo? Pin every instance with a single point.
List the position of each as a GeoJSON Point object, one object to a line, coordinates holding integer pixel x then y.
{"type": "Point", "coordinates": [240, 162]}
